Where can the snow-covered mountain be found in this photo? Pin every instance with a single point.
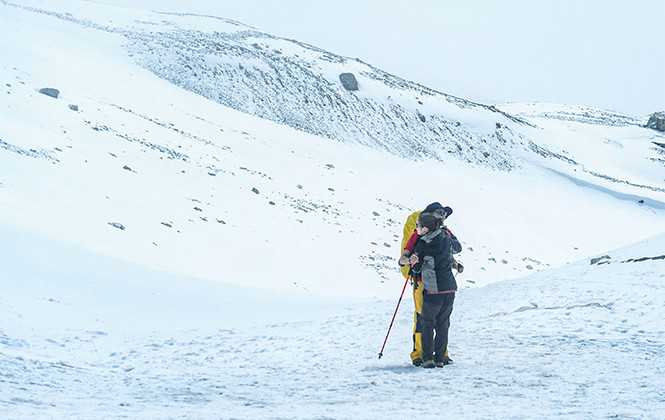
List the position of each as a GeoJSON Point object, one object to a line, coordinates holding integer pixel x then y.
{"type": "Point", "coordinates": [150, 198]}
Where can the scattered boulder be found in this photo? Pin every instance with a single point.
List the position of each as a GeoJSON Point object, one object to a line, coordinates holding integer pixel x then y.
{"type": "Point", "coordinates": [349, 81]}
{"type": "Point", "coordinates": [127, 168]}
{"type": "Point", "coordinates": [657, 121]}
{"type": "Point", "coordinates": [74, 107]}
{"type": "Point", "coordinates": [605, 259]}
{"type": "Point", "coordinates": [53, 93]}
{"type": "Point", "coordinates": [421, 117]}
{"type": "Point", "coordinates": [255, 190]}
{"type": "Point", "coordinates": [117, 225]}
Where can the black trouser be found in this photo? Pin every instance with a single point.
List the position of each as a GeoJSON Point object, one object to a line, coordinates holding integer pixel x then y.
{"type": "Point", "coordinates": [436, 316]}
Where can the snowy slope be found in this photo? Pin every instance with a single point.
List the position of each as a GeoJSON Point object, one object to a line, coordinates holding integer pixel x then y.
{"type": "Point", "coordinates": [178, 172]}
{"type": "Point", "coordinates": [583, 341]}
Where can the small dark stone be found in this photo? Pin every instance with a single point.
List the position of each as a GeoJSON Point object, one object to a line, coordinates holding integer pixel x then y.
{"type": "Point", "coordinates": [167, 224]}
{"type": "Point", "coordinates": [198, 209]}
{"type": "Point", "coordinates": [272, 203]}
{"type": "Point", "coordinates": [53, 93]}
{"type": "Point", "coordinates": [421, 117]}
{"type": "Point", "coordinates": [601, 259]}
{"type": "Point", "coordinates": [498, 125]}
{"type": "Point", "coordinates": [299, 186]}
{"type": "Point", "coordinates": [375, 213]}
{"type": "Point", "coordinates": [220, 221]}
{"type": "Point", "coordinates": [331, 189]}
{"type": "Point", "coordinates": [73, 107]}
{"type": "Point", "coordinates": [127, 168]}
{"type": "Point", "coordinates": [255, 191]}
{"type": "Point", "coordinates": [117, 225]}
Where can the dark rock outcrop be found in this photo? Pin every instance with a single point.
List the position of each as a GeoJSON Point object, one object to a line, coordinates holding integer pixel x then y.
{"type": "Point", "coordinates": [657, 121]}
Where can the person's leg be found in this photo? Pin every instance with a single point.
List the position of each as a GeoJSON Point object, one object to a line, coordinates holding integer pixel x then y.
{"type": "Point", "coordinates": [442, 324]}
{"type": "Point", "coordinates": [431, 308]}
{"type": "Point", "coordinates": [416, 354]}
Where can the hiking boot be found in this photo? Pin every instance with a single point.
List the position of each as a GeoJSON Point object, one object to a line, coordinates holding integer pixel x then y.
{"type": "Point", "coordinates": [443, 362]}
{"type": "Point", "coordinates": [417, 362]}
{"type": "Point", "coordinates": [428, 364]}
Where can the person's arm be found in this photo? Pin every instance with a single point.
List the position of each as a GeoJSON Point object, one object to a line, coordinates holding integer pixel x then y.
{"type": "Point", "coordinates": [455, 244]}
{"type": "Point", "coordinates": [411, 243]}
{"type": "Point", "coordinates": [408, 249]}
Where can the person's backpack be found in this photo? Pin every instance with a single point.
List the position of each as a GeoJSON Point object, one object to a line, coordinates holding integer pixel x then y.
{"type": "Point", "coordinates": [409, 227]}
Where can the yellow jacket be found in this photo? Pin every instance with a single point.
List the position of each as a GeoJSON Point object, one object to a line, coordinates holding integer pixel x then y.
{"type": "Point", "coordinates": [409, 227]}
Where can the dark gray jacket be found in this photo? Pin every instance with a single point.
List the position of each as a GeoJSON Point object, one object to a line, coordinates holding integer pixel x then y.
{"type": "Point", "coordinates": [435, 255]}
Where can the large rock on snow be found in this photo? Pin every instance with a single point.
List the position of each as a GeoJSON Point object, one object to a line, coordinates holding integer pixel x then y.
{"type": "Point", "coordinates": [657, 121]}
{"type": "Point", "coordinates": [53, 93]}
{"type": "Point", "coordinates": [348, 81]}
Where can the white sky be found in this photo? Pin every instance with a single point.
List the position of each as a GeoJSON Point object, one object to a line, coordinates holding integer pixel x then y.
{"type": "Point", "coordinates": [607, 53]}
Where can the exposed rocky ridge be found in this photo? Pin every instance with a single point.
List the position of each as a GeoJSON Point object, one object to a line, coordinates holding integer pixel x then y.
{"type": "Point", "coordinates": [296, 84]}
{"type": "Point", "coordinates": [574, 113]}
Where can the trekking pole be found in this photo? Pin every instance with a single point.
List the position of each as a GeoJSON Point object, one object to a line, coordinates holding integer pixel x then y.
{"type": "Point", "coordinates": [393, 320]}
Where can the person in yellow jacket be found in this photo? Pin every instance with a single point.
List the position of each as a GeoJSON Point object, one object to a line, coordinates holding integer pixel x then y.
{"type": "Point", "coordinates": [409, 239]}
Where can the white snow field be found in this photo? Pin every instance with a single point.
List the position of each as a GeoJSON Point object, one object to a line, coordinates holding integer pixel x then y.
{"type": "Point", "coordinates": [163, 255]}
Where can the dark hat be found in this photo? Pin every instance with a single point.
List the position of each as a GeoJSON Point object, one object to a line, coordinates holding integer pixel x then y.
{"type": "Point", "coordinates": [429, 220]}
{"type": "Point", "coordinates": [437, 209]}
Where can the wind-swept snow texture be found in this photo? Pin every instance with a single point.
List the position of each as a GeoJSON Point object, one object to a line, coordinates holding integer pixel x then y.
{"type": "Point", "coordinates": [583, 341]}
{"type": "Point", "coordinates": [163, 255]}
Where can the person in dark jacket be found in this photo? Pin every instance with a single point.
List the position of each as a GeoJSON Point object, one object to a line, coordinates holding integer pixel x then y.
{"type": "Point", "coordinates": [408, 244]}
{"type": "Point", "coordinates": [432, 258]}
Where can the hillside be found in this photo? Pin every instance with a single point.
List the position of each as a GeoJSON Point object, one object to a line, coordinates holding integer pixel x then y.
{"type": "Point", "coordinates": [187, 178]}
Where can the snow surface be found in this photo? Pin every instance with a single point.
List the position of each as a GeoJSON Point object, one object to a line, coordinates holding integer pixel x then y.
{"type": "Point", "coordinates": [162, 255]}
{"type": "Point", "coordinates": [83, 336]}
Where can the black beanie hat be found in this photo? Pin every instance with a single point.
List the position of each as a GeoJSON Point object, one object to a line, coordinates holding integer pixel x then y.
{"type": "Point", "coordinates": [429, 220]}
{"type": "Point", "coordinates": [436, 207]}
